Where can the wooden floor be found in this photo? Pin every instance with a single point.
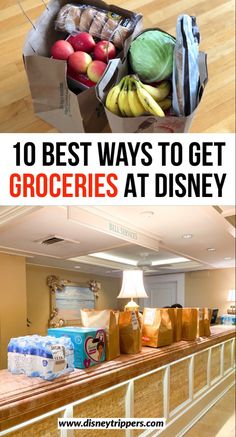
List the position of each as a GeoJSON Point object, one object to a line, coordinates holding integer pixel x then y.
{"type": "Point", "coordinates": [219, 421]}
{"type": "Point", "coordinates": [216, 22]}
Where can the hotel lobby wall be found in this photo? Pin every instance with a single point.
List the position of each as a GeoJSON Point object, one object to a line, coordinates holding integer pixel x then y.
{"type": "Point", "coordinates": [13, 304]}
{"type": "Point", "coordinates": [38, 298]}
{"type": "Point", "coordinates": [209, 288]}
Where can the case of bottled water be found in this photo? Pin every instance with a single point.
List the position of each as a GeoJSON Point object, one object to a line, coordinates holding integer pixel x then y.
{"type": "Point", "coordinates": [47, 357]}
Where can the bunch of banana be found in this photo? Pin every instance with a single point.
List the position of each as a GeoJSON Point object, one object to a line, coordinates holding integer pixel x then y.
{"type": "Point", "coordinates": [132, 98]}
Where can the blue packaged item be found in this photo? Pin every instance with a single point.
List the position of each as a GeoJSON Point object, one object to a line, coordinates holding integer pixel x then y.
{"type": "Point", "coordinates": [46, 357]}
{"type": "Point", "coordinates": [228, 319]}
{"type": "Point", "coordinates": [89, 344]}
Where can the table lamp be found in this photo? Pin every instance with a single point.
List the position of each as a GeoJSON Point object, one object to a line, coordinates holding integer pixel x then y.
{"type": "Point", "coordinates": [132, 287]}
{"type": "Point", "coordinates": [231, 298]}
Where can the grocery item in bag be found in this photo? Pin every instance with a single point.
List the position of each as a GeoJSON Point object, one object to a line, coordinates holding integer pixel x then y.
{"type": "Point", "coordinates": [176, 319]}
{"type": "Point", "coordinates": [151, 55]}
{"type": "Point", "coordinates": [130, 332]}
{"type": "Point", "coordinates": [157, 327]}
{"type": "Point", "coordinates": [110, 25]}
{"type": "Point", "coordinates": [189, 323]}
{"type": "Point", "coordinates": [108, 320]}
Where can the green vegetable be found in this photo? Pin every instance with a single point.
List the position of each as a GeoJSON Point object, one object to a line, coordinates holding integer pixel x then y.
{"type": "Point", "coordinates": [151, 55]}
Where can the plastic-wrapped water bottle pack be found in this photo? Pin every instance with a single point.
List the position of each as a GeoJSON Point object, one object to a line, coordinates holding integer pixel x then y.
{"type": "Point", "coordinates": [47, 357]}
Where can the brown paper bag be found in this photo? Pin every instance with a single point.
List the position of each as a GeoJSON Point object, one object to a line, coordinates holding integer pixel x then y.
{"type": "Point", "coordinates": [148, 123]}
{"type": "Point", "coordinates": [176, 320]}
{"type": "Point", "coordinates": [53, 101]}
{"type": "Point", "coordinates": [108, 320]}
{"type": "Point", "coordinates": [157, 327]}
{"type": "Point", "coordinates": [130, 332]}
{"type": "Point", "coordinates": [207, 321]}
{"type": "Point", "coordinates": [200, 322]}
{"type": "Point", "coordinates": [189, 323]}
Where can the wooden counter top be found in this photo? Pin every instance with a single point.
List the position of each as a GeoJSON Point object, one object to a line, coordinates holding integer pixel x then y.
{"type": "Point", "coordinates": [22, 398]}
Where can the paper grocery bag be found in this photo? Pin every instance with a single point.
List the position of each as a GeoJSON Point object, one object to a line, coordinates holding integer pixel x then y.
{"type": "Point", "coordinates": [130, 332]}
{"type": "Point", "coordinates": [189, 323]}
{"type": "Point", "coordinates": [176, 320]}
{"type": "Point", "coordinates": [108, 320]}
{"type": "Point", "coordinates": [207, 321]}
{"type": "Point", "coordinates": [157, 327]}
{"type": "Point", "coordinates": [200, 322]}
{"type": "Point", "coordinates": [53, 101]}
{"type": "Point", "coordinates": [148, 123]}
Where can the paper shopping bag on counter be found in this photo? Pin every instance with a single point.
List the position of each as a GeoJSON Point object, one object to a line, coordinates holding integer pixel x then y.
{"type": "Point", "coordinates": [207, 321]}
{"type": "Point", "coordinates": [68, 110]}
{"type": "Point", "coordinates": [200, 322]}
{"type": "Point", "coordinates": [176, 319]}
{"type": "Point", "coordinates": [189, 323]}
{"type": "Point", "coordinates": [108, 320]}
{"type": "Point", "coordinates": [130, 332]}
{"type": "Point", "coordinates": [146, 123]}
{"type": "Point", "coordinates": [157, 327]}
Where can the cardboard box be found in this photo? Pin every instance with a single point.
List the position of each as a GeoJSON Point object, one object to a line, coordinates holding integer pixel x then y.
{"type": "Point", "coordinates": [89, 344]}
{"type": "Point", "coordinates": [53, 101]}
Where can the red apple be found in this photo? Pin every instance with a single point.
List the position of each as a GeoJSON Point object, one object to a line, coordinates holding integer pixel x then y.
{"type": "Point", "coordinates": [80, 77]}
{"type": "Point", "coordinates": [82, 42]}
{"type": "Point", "coordinates": [104, 50]}
{"type": "Point", "coordinates": [79, 61]}
{"type": "Point", "coordinates": [61, 49]}
{"type": "Point", "coordinates": [96, 70]}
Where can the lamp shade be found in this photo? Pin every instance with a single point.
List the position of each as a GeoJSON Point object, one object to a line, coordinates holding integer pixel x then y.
{"type": "Point", "coordinates": [231, 296]}
{"type": "Point", "coordinates": [132, 285]}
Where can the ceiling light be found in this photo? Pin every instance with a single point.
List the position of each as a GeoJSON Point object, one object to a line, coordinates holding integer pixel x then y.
{"type": "Point", "coordinates": [227, 258]}
{"type": "Point", "coordinates": [147, 214]}
{"type": "Point", "coordinates": [170, 261]}
{"type": "Point", "coordinates": [210, 249]}
{"type": "Point", "coordinates": [187, 236]}
{"type": "Point", "coordinates": [118, 259]}
{"type": "Point", "coordinates": [77, 267]}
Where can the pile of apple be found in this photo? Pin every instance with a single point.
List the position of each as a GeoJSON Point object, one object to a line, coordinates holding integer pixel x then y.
{"type": "Point", "coordinates": [87, 60]}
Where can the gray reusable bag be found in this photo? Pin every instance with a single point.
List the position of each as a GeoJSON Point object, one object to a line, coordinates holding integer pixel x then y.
{"type": "Point", "coordinates": [187, 88]}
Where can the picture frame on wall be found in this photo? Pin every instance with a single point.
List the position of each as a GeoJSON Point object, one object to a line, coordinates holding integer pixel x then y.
{"type": "Point", "coordinates": [67, 300]}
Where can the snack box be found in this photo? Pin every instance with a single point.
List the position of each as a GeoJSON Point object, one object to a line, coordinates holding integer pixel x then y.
{"type": "Point", "coordinates": [89, 344]}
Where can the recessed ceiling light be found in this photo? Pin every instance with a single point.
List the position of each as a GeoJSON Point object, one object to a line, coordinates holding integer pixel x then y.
{"type": "Point", "coordinates": [227, 258]}
{"type": "Point", "coordinates": [147, 214]}
{"type": "Point", "coordinates": [210, 249]}
{"type": "Point", "coordinates": [179, 259]}
{"type": "Point", "coordinates": [187, 236]}
{"type": "Point", "coordinates": [114, 258]}
{"type": "Point", "coordinates": [77, 267]}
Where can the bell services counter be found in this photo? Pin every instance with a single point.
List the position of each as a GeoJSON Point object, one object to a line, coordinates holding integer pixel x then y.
{"type": "Point", "coordinates": [178, 382]}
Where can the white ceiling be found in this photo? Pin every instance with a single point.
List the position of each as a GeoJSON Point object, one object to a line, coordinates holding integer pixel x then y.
{"type": "Point", "coordinates": [157, 230]}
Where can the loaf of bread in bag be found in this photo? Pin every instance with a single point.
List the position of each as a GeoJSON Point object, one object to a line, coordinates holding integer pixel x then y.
{"type": "Point", "coordinates": [99, 23]}
{"type": "Point", "coordinates": [68, 18]}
